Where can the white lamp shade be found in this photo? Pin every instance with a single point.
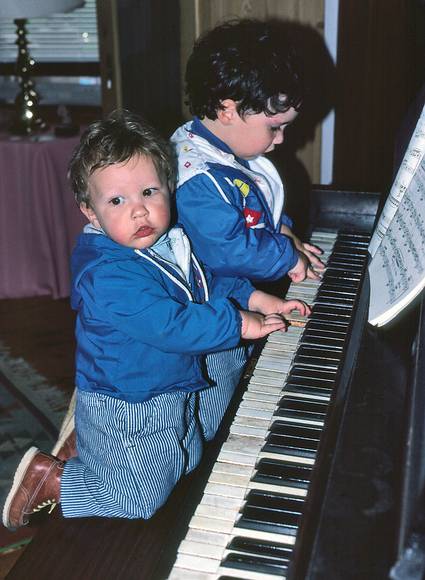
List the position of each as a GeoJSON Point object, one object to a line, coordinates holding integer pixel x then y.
{"type": "Point", "coordinates": [12, 9]}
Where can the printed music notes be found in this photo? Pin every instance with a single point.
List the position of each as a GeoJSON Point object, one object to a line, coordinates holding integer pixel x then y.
{"type": "Point", "coordinates": [397, 247]}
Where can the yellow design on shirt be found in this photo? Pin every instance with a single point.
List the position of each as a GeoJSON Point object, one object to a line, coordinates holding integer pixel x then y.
{"type": "Point", "coordinates": [243, 187]}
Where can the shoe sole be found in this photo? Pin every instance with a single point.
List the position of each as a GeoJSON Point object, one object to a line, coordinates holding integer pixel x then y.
{"type": "Point", "coordinates": [17, 481]}
{"type": "Point", "coordinates": [67, 427]}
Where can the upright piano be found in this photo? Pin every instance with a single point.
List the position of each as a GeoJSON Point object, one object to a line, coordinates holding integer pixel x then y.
{"type": "Point", "coordinates": [317, 471]}
{"type": "Point", "coordinates": [318, 475]}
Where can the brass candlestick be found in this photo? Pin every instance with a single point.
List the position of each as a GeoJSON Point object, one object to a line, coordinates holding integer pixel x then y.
{"type": "Point", "coordinates": [27, 119]}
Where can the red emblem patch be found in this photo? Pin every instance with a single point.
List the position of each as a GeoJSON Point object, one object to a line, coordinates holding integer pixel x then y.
{"type": "Point", "coordinates": [252, 217]}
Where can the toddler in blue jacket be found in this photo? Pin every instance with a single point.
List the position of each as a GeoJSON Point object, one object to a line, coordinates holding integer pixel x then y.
{"type": "Point", "coordinates": [147, 313]}
{"type": "Point", "coordinates": [244, 88]}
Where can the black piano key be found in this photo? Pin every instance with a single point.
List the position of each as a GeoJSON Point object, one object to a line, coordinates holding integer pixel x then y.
{"type": "Point", "coordinates": [342, 274]}
{"type": "Point", "coordinates": [318, 352]}
{"type": "Point", "coordinates": [271, 512]}
{"type": "Point", "coordinates": [313, 339]}
{"type": "Point", "coordinates": [347, 284]}
{"type": "Point", "coordinates": [332, 290]}
{"type": "Point", "coordinates": [353, 245]}
{"type": "Point", "coordinates": [301, 409]}
{"type": "Point", "coordinates": [355, 248]}
{"type": "Point", "coordinates": [276, 472]}
{"type": "Point", "coordinates": [317, 362]}
{"type": "Point", "coordinates": [313, 331]}
{"type": "Point", "coordinates": [317, 357]}
{"type": "Point", "coordinates": [352, 262]}
{"type": "Point", "coordinates": [310, 375]}
{"type": "Point", "coordinates": [343, 262]}
{"type": "Point", "coordinates": [261, 547]}
{"type": "Point", "coordinates": [258, 564]}
{"type": "Point", "coordinates": [357, 245]}
{"type": "Point", "coordinates": [290, 439]}
{"type": "Point", "coordinates": [353, 241]}
{"type": "Point", "coordinates": [339, 312]}
{"type": "Point", "coordinates": [334, 300]}
{"type": "Point", "coordinates": [319, 316]}
{"type": "Point", "coordinates": [327, 328]}
{"type": "Point", "coordinates": [314, 392]}
{"type": "Point", "coordinates": [303, 379]}
{"type": "Point", "coordinates": [355, 235]}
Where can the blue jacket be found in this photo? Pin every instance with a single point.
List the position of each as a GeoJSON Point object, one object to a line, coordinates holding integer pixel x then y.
{"type": "Point", "coordinates": [141, 328]}
{"type": "Point", "coordinates": [231, 209]}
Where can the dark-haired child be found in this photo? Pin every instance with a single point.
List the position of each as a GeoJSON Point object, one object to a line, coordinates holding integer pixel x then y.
{"type": "Point", "coordinates": [244, 88]}
{"type": "Point", "coordinates": [146, 314]}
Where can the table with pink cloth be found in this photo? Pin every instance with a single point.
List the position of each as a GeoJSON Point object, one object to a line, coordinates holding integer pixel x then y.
{"type": "Point", "coordinates": [39, 218]}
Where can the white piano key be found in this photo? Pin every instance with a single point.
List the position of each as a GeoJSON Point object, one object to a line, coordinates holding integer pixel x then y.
{"type": "Point", "coordinates": [272, 364]}
{"type": "Point", "coordinates": [275, 350]}
{"type": "Point", "coordinates": [261, 396]}
{"type": "Point", "coordinates": [257, 405]}
{"type": "Point", "coordinates": [290, 337]}
{"type": "Point", "coordinates": [275, 380]}
{"type": "Point", "coordinates": [216, 489]}
{"type": "Point", "coordinates": [247, 574]}
{"type": "Point", "coordinates": [241, 470]}
{"type": "Point", "coordinates": [224, 515]}
{"type": "Point", "coordinates": [202, 549]}
{"type": "Point", "coordinates": [236, 480]}
{"type": "Point", "coordinates": [214, 523]}
{"type": "Point", "coordinates": [257, 413]}
{"type": "Point", "coordinates": [218, 525]}
{"type": "Point", "coordinates": [223, 527]}
{"type": "Point", "coordinates": [191, 562]}
{"type": "Point", "coordinates": [178, 573]}
{"type": "Point", "coordinates": [249, 431]}
{"type": "Point", "coordinates": [243, 446]}
{"type": "Point", "coordinates": [252, 422]}
{"type": "Point", "coordinates": [214, 496]}
{"type": "Point", "coordinates": [258, 384]}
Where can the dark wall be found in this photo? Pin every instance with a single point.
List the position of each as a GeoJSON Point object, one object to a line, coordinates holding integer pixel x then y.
{"type": "Point", "coordinates": [381, 65]}
{"type": "Point", "coordinates": [140, 53]}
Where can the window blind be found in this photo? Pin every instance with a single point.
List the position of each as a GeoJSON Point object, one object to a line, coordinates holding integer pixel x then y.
{"type": "Point", "coordinates": [70, 37]}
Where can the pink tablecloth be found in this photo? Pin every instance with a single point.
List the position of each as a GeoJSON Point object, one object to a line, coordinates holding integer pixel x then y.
{"type": "Point", "coordinates": [39, 219]}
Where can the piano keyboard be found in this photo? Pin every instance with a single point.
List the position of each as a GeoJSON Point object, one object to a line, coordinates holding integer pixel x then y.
{"type": "Point", "coordinates": [246, 524]}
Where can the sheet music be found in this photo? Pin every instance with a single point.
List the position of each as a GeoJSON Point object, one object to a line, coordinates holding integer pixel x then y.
{"type": "Point", "coordinates": [405, 174]}
{"type": "Point", "coordinates": [397, 268]}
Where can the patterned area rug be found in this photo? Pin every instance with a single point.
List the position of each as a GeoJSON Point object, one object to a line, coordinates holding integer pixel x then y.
{"type": "Point", "coordinates": [31, 413]}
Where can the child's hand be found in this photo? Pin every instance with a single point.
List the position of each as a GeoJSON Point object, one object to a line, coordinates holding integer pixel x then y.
{"type": "Point", "coordinates": [311, 252]}
{"type": "Point", "coordinates": [301, 270]}
{"type": "Point", "coordinates": [255, 325]}
{"type": "Point", "coordinates": [273, 305]}
{"type": "Point", "coordinates": [307, 251]}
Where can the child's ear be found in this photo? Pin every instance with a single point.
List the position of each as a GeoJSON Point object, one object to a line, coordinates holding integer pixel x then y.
{"type": "Point", "coordinates": [227, 112]}
{"type": "Point", "coordinates": [89, 213]}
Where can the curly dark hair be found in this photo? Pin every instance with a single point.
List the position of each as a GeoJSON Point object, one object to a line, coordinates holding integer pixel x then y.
{"type": "Point", "coordinates": [115, 140]}
{"type": "Point", "coordinates": [249, 61]}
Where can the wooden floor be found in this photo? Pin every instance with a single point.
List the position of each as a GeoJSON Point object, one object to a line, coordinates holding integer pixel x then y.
{"type": "Point", "coordinates": [41, 331]}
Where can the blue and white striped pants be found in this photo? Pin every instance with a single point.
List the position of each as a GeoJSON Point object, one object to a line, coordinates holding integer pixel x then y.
{"type": "Point", "coordinates": [225, 368]}
{"type": "Point", "coordinates": [130, 455]}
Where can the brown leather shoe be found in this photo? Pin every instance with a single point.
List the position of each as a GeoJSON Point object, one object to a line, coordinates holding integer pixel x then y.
{"type": "Point", "coordinates": [36, 485]}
